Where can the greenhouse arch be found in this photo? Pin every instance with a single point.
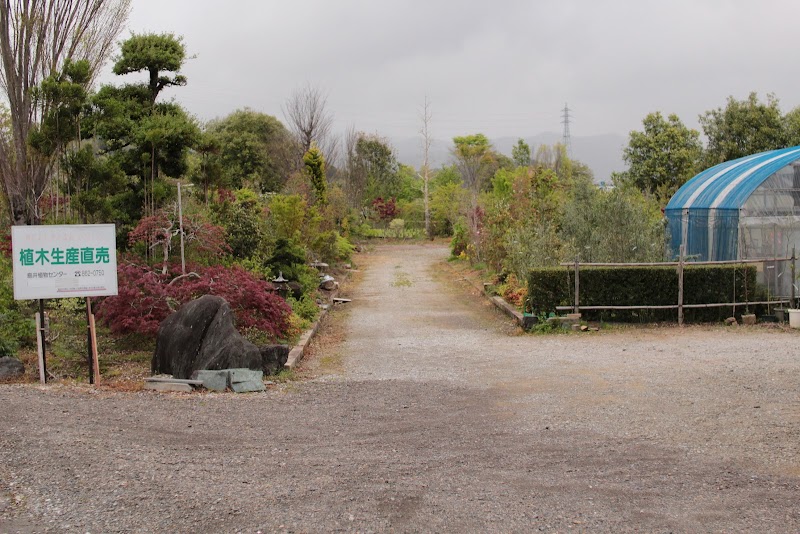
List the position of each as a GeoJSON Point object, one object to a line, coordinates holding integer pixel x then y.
{"type": "Point", "coordinates": [748, 208]}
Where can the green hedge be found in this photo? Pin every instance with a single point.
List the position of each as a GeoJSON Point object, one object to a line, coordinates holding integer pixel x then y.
{"type": "Point", "coordinates": [652, 286]}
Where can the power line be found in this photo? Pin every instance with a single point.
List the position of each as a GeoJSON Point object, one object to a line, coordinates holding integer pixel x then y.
{"type": "Point", "coordinates": [566, 140]}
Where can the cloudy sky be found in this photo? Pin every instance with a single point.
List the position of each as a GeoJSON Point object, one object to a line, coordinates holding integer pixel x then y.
{"type": "Point", "coordinates": [501, 67]}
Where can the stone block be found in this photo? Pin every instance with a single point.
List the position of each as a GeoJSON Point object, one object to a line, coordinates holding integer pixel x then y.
{"type": "Point", "coordinates": [749, 319]}
{"type": "Point", "coordinates": [249, 386]}
{"type": "Point", "coordinates": [212, 380]}
{"type": "Point", "coordinates": [244, 375]}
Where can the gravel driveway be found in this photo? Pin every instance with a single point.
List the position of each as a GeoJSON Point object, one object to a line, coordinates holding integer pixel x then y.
{"type": "Point", "coordinates": [428, 411]}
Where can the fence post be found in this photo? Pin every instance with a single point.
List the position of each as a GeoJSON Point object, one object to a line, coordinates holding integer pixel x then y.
{"type": "Point", "coordinates": [577, 286]}
{"type": "Point", "coordinates": [680, 285]}
{"type": "Point", "coordinates": [794, 260]}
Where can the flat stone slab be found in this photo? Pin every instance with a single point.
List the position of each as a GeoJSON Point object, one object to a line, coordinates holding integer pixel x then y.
{"type": "Point", "coordinates": [249, 386]}
{"type": "Point", "coordinates": [169, 386]}
{"type": "Point", "coordinates": [246, 380]}
{"type": "Point", "coordinates": [244, 375]}
{"type": "Point", "coordinates": [238, 380]}
{"type": "Point", "coordinates": [212, 380]}
{"type": "Point", "coordinates": [175, 381]}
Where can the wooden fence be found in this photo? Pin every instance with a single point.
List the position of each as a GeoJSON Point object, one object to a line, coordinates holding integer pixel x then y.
{"type": "Point", "coordinates": [680, 265]}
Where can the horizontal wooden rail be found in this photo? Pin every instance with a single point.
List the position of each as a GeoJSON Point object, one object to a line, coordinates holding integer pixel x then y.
{"type": "Point", "coordinates": [673, 263]}
{"type": "Point", "coordinates": [675, 306]}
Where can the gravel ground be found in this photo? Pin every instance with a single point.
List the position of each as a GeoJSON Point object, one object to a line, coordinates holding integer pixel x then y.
{"type": "Point", "coordinates": [429, 411]}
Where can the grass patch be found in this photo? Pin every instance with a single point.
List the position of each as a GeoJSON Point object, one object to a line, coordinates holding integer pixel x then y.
{"type": "Point", "coordinates": [402, 279]}
{"type": "Point", "coordinates": [283, 376]}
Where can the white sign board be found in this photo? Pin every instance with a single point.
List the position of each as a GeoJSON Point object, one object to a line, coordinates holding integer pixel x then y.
{"type": "Point", "coordinates": [59, 261]}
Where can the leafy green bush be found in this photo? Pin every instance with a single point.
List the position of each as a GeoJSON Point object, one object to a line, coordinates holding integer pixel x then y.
{"type": "Point", "coordinates": [304, 307]}
{"type": "Point", "coordinates": [17, 326]}
{"type": "Point", "coordinates": [331, 247]}
{"type": "Point", "coordinates": [460, 241]}
{"type": "Point", "coordinates": [344, 248]}
{"type": "Point", "coordinates": [652, 286]}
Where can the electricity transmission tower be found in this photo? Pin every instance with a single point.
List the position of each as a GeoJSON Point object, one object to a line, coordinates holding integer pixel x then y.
{"type": "Point", "coordinates": [566, 140]}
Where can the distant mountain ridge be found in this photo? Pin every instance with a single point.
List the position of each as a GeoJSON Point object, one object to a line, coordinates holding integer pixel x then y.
{"type": "Point", "coordinates": [602, 153]}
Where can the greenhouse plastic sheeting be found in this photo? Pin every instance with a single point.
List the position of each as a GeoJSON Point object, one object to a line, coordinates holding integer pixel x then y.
{"type": "Point", "coordinates": [707, 212]}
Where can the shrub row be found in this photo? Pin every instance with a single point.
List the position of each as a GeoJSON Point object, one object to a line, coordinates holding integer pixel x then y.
{"type": "Point", "coordinates": [651, 286]}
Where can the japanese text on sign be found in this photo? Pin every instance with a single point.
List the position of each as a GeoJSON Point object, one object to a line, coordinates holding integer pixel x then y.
{"type": "Point", "coordinates": [53, 261]}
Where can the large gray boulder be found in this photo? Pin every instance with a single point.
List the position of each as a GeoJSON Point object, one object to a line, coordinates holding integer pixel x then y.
{"type": "Point", "coordinates": [11, 368]}
{"type": "Point", "coordinates": [202, 335]}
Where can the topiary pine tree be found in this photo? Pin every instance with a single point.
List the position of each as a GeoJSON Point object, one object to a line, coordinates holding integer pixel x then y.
{"type": "Point", "coordinates": [315, 168]}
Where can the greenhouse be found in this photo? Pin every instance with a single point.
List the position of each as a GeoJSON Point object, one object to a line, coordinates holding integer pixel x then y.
{"type": "Point", "coordinates": [748, 208]}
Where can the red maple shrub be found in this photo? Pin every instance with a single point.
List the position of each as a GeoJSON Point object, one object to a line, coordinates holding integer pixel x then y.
{"type": "Point", "coordinates": [253, 301]}
{"type": "Point", "coordinates": [158, 232]}
{"type": "Point", "coordinates": [385, 209]}
{"type": "Point", "coordinates": [146, 298]}
{"type": "Point", "coordinates": [141, 302]}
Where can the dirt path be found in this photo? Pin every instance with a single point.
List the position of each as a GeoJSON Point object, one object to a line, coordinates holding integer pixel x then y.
{"type": "Point", "coordinates": [430, 413]}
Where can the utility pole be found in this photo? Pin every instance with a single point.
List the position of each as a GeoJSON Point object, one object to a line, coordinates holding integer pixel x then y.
{"type": "Point", "coordinates": [566, 139]}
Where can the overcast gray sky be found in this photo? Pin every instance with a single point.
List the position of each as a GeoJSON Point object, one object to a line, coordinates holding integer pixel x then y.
{"type": "Point", "coordinates": [501, 67]}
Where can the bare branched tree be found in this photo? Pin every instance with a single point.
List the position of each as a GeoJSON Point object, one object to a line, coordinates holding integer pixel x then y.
{"type": "Point", "coordinates": [36, 38]}
{"type": "Point", "coordinates": [308, 118]}
{"type": "Point", "coordinates": [355, 175]}
{"type": "Point", "coordinates": [426, 148]}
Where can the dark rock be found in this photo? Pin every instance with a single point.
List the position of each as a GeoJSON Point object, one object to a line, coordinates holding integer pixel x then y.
{"type": "Point", "coordinates": [201, 335]}
{"type": "Point", "coordinates": [273, 358]}
{"type": "Point", "coordinates": [529, 321]}
{"type": "Point", "coordinates": [11, 367]}
{"type": "Point", "coordinates": [296, 290]}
